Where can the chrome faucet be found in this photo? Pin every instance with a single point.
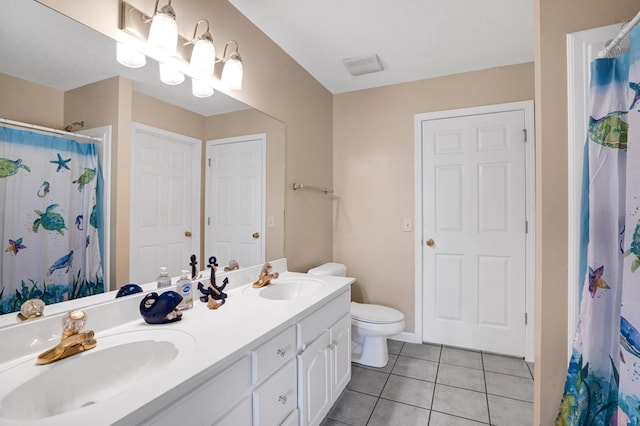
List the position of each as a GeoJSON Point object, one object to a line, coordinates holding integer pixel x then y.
{"type": "Point", "coordinates": [72, 341]}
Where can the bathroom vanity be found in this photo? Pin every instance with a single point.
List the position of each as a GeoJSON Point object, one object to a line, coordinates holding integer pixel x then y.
{"type": "Point", "coordinates": [270, 356]}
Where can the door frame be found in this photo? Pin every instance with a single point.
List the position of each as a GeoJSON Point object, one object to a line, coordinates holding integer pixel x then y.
{"type": "Point", "coordinates": [196, 177]}
{"type": "Point", "coordinates": [262, 137]}
{"type": "Point", "coordinates": [530, 248]}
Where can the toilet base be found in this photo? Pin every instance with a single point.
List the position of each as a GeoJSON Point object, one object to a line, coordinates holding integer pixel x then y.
{"type": "Point", "coordinates": [370, 351]}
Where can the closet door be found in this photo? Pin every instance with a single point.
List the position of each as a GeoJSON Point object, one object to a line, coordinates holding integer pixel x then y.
{"type": "Point", "coordinates": [165, 194]}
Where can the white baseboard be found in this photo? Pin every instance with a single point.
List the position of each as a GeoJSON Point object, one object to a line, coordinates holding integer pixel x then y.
{"type": "Point", "coordinates": [406, 337]}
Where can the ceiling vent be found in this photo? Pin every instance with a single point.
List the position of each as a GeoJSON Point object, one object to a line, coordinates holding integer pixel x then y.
{"type": "Point", "coordinates": [363, 64]}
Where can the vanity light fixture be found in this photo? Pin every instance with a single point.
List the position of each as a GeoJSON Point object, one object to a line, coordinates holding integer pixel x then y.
{"type": "Point", "coordinates": [164, 29]}
{"type": "Point", "coordinates": [203, 58]}
{"type": "Point", "coordinates": [157, 36]}
{"type": "Point", "coordinates": [232, 71]}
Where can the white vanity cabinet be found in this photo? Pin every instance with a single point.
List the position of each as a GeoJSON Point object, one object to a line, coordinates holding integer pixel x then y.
{"type": "Point", "coordinates": [289, 377]}
{"type": "Point", "coordinates": [324, 365]}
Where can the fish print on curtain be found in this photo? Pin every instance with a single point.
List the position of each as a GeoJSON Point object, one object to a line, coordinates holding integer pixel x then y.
{"type": "Point", "coordinates": [50, 219]}
{"type": "Point", "coordinates": [602, 386]}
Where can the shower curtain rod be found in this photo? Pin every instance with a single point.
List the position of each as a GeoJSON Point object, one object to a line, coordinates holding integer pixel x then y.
{"type": "Point", "coordinates": [40, 129]}
{"type": "Point", "coordinates": [626, 29]}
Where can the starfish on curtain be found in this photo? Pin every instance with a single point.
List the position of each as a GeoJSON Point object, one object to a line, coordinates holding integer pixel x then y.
{"type": "Point", "coordinates": [62, 164]}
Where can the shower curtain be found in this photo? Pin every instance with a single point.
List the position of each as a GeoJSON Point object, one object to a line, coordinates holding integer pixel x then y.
{"type": "Point", "coordinates": [602, 386]}
{"type": "Point", "coordinates": [50, 219]}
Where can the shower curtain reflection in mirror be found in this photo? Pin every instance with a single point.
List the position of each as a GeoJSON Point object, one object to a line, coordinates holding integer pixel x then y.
{"type": "Point", "coordinates": [51, 224]}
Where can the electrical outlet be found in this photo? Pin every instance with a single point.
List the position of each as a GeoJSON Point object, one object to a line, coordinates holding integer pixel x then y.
{"type": "Point", "coordinates": [407, 226]}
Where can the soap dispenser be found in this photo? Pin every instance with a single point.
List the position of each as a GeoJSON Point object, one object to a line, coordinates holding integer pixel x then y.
{"type": "Point", "coordinates": [163, 279]}
{"type": "Point", "coordinates": [183, 287]}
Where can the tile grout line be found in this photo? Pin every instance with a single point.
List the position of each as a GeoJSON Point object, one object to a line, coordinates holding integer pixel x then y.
{"type": "Point", "coordinates": [486, 390]}
{"type": "Point", "coordinates": [385, 384]}
{"type": "Point", "coordinates": [435, 383]}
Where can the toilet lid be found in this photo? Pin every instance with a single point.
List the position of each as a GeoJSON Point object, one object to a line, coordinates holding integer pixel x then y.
{"type": "Point", "coordinates": [375, 313]}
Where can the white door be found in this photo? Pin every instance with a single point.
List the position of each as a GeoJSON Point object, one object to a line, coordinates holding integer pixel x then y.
{"type": "Point", "coordinates": [165, 202]}
{"type": "Point", "coordinates": [235, 200]}
{"type": "Point", "coordinates": [474, 231]}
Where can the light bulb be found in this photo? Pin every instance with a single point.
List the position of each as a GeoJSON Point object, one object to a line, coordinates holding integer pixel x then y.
{"type": "Point", "coordinates": [129, 57]}
{"type": "Point", "coordinates": [164, 32]}
{"type": "Point", "coordinates": [200, 89]}
{"type": "Point", "coordinates": [232, 72]}
{"type": "Point", "coordinates": [169, 75]}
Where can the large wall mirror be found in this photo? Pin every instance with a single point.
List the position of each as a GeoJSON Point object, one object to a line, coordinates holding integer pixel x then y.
{"type": "Point", "coordinates": [51, 65]}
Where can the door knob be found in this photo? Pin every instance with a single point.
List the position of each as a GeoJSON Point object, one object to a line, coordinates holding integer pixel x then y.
{"type": "Point", "coordinates": [430, 242]}
{"type": "Point", "coordinates": [187, 233]}
{"type": "Point", "coordinates": [256, 235]}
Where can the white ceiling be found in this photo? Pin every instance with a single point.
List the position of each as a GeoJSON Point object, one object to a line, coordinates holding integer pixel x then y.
{"type": "Point", "coordinates": [415, 39]}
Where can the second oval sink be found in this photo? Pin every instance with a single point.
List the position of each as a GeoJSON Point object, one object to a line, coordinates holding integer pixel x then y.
{"type": "Point", "coordinates": [287, 288]}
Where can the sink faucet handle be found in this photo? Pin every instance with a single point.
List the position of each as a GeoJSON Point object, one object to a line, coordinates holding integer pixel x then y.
{"type": "Point", "coordinates": [73, 322]}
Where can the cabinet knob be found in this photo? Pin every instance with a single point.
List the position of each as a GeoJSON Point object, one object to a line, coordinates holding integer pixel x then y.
{"type": "Point", "coordinates": [282, 399]}
{"type": "Point", "coordinates": [281, 352]}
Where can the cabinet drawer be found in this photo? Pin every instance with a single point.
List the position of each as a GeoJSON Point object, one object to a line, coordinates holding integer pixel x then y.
{"type": "Point", "coordinates": [273, 354]}
{"type": "Point", "coordinates": [311, 326]}
{"type": "Point", "coordinates": [276, 398]}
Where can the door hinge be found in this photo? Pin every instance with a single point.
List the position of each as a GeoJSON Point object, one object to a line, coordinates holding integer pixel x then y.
{"type": "Point", "coordinates": [526, 226]}
{"type": "Point", "coordinates": [209, 159]}
{"type": "Point", "coordinates": [208, 220]}
{"type": "Point", "coordinates": [526, 318]}
{"type": "Point", "coordinates": [524, 135]}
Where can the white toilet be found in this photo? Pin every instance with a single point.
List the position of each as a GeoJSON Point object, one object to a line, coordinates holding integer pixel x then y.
{"type": "Point", "coordinates": [371, 325]}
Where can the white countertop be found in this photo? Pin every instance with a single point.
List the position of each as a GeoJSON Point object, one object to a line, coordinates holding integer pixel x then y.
{"type": "Point", "coordinates": [220, 336]}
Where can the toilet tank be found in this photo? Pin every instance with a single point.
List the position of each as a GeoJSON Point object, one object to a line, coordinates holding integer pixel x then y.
{"type": "Point", "coordinates": [333, 269]}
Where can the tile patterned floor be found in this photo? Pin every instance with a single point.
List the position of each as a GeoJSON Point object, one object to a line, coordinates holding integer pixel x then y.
{"type": "Point", "coordinates": [437, 386]}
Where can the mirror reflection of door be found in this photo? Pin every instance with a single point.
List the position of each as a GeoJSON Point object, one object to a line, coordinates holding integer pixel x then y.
{"type": "Point", "coordinates": [235, 199]}
{"type": "Point", "coordinates": [165, 206]}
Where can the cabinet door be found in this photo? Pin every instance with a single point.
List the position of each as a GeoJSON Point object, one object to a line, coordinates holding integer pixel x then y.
{"type": "Point", "coordinates": [340, 356]}
{"type": "Point", "coordinates": [240, 415]}
{"type": "Point", "coordinates": [314, 381]}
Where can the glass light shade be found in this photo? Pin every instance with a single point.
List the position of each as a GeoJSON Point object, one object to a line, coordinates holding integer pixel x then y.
{"type": "Point", "coordinates": [169, 75]}
{"type": "Point", "coordinates": [129, 57]}
{"type": "Point", "coordinates": [164, 32]}
{"type": "Point", "coordinates": [203, 56]}
{"type": "Point", "coordinates": [200, 89]}
{"type": "Point", "coordinates": [232, 73]}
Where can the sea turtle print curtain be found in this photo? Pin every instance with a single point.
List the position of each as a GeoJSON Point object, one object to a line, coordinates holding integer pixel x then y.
{"type": "Point", "coordinates": [602, 386]}
{"type": "Point", "coordinates": [50, 219]}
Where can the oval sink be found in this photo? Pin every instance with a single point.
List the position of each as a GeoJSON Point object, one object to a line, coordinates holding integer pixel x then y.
{"type": "Point", "coordinates": [287, 288]}
{"type": "Point", "coordinates": [119, 361]}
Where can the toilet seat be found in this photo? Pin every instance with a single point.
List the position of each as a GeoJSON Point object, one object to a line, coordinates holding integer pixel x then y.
{"type": "Point", "coordinates": [375, 314]}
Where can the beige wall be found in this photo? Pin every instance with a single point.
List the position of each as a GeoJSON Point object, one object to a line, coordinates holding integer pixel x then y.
{"type": "Point", "coordinates": [27, 102]}
{"type": "Point", "coordinates": [249, 122]}
{"type": "Point", "coordinates": [374, 181]}
{"type": "Point", "coordinates": [104, 103]}
{"type": "Point", "coordinates": [274, 84]}
{"type": "Point", "coordinates": [554, 20]}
